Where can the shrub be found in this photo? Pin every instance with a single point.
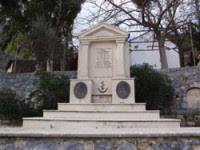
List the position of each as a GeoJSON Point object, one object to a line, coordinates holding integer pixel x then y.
{"type": "Point", "coordinates": [12, 108]}
{"type": "Point", "coordinates": [52, 89]}
{"type": "Point", "coordinates": [152, 87]}
{"type": "Point", "coordinates": [9, 105]}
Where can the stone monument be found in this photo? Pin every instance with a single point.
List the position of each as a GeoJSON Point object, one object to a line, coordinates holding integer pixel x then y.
{"type": "Point", "coordinates": [103, 95]}
{"type": "Point", "coordinates": [103, 67]}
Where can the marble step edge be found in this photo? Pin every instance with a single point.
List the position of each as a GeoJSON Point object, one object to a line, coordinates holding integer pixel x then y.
{"type": "Point", "coordinates": [102, 133]}
{"type": "Point", "coordinates": [98, 124]}
{"type": "Point", "coordinates": [104, 111]}
{"type": "Point", "coordinates": [101, 106]}
{"type": "Point", "coordinates": [107, 104]}
{"type": "Point", "coordinates": [101, 120]}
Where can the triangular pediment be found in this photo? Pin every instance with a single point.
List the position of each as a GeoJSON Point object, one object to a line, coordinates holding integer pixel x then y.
{"type": "Point", "coordinates": [103, 29]}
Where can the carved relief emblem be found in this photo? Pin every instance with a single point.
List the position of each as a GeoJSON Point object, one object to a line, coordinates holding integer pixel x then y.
{"type": "Point", "coordinates": [102, 88]}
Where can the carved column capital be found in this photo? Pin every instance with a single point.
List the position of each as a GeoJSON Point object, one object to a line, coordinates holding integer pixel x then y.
{"type": "Point", "coordinates": [120, 41]}
{"type": "Point", "coordinates": [85, 42]}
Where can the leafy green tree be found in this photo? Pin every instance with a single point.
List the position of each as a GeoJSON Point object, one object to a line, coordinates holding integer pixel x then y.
{"type": "Point", "coordinates": [152, 87]}
{"type": "Point", "coordinates": [18, 16]}
{"type": "Point", "coordinates": [44, 42]}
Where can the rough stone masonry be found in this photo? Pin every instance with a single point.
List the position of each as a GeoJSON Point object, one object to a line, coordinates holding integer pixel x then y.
{"type": "Point", "coordinates": [183, 80]}
{"type": "Point", "coordinates": [24, 83]}
{"type": "Point", "coordinates": [188, 143]}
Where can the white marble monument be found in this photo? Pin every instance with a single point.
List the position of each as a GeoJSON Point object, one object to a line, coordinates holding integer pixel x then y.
{"type": "Point", "coordinates": [103, 66]}
{"type": "Point", "coordinates": [103, 95]}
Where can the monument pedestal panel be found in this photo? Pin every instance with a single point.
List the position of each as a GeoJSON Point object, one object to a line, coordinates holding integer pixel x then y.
{"type": "Point", "coordinates": [102, 106]}
{"type": "Point", "coordinates": [102, 98]}
{"type": "Point", "coordinates": [81, 90]}
{"type": "Point", "coordinates": [123, 91]}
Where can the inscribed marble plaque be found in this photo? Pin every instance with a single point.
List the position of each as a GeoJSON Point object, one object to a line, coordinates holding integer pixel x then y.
{"type": "Point", "coordinates": [101, 61]}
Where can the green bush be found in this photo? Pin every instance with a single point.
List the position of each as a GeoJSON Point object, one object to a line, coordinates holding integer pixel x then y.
{"type": "Point", "coordinates": [9, 105]}
{"type": "Point", "coordinates": [12, 108]}
{"type": "Point", "coordinates": [52, 89]}
{"type": "Point", "coordinates": [152, 87]}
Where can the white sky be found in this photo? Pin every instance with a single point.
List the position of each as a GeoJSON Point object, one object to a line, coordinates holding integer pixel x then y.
{"type": "Point", "coordinates": [86, 11]}
{"type": "Point", "coordinates": [80, 23]}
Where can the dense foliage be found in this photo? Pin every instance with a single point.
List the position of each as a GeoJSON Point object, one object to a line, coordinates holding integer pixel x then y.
{"type": "Point", "coordinates": [152, 87]}
{"type": "Point", "coordinates": [18, 15]}
{"type": "Point", "coordinates": [24, 30]}
{"type": "Point", "coordinates": [52, 89]}
{"type": "Point", "coordinates": [13, 108]}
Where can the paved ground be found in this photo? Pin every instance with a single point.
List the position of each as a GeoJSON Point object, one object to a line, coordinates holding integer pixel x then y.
{"type": "Point", "coordinates": [151, 132]}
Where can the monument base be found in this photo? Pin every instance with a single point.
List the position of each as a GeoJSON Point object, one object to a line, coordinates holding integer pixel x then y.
{"type": "Point", "coordinates": [100, 116]}
{"type": "Point", "coordinates": [102, 98]}
{"type": "Point", "coordinates": [95, 139]}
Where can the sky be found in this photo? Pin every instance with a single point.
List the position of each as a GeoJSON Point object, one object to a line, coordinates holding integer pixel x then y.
{"type": "Point", "coordinates": [81, 22]}
{"type": "Point", "coordinates": [86, 11]}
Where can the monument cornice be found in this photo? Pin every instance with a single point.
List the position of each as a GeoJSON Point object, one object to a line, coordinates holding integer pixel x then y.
{"type": "Point", "coordinates": [101, 26]}
{"type": "Point", "coordinates": [85, 42]}
{"type": "Point", "coordinates": [120, 41]}
{"type": "Point", "coordinates": [104, 38]}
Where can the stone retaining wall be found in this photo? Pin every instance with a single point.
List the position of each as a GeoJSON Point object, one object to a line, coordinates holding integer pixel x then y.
{"type": "Point", "coordinates": [24, 83]}
{"type": "Point", "coordinates": [182, 80]}
{"type": "Point", "coordinates": [166, 143]}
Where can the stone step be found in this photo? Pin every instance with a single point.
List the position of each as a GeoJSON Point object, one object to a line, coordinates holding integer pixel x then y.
{"type": "Point", "coordinates": [111, 107]}
{"type": "Point", "coordinates": [63, 123]}
{"type": "Point", "coordinates": [153, 114]}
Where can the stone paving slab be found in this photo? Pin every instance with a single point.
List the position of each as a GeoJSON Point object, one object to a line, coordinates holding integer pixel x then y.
{"type": "Point", "coordinates": [96, 133]}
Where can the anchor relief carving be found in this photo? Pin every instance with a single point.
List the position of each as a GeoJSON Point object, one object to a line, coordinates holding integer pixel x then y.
{"type": "Point", "coordinates": [102, 88]}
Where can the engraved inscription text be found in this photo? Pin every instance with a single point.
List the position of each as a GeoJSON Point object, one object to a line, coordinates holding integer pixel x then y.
{"type": "Point", "coordinates": [104, 58]}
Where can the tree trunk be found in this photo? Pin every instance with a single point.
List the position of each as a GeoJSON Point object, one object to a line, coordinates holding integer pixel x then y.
{"type": "Point", "coordinates": [49, 65]}
{"type": "Point", "coordinates": [39, 66]}
{"type": "Point", "coordinates": [63, 59]}
{"type": "Point", "coordinates": [181, 57]}
{"type": "Point", "coordinates": [197, 10]}
{"type": "Point", "coordinates": [50, 59]}
{"type": "Point", "coordinates": [163, 57]}
{"type": "Point", "coordinates": [50, 62]}
{"type": "Point", "coordinates": [15, 61]}
{"type": "Point", "coordinates": [15, 65]}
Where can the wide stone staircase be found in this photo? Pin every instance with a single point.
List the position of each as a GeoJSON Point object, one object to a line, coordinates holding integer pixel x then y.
{"type": "Point", "coordinates": [100, 116]}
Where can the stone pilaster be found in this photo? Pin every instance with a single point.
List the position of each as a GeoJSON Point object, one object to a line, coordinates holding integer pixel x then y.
{"type": "Point", "coordinates": [120, 59]}
{"type": "Point", "coordinates": [83, 60]}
